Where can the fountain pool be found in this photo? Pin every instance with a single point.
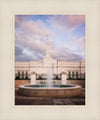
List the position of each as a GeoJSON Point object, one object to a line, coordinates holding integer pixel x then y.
{"type": "Point", "coordinates": [55, 91]}
{"type": "Point", "coordinates": [50, 90]}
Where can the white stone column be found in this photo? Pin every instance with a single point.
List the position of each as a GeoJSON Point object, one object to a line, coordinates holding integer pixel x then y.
{"type": "Point", "coordinates": [63, 78]}
{"type": "Point", "coordinates": [33, 78]}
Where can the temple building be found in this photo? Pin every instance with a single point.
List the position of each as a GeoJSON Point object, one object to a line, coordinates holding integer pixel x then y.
{"type": "Point", "coordinates": [71, 69]}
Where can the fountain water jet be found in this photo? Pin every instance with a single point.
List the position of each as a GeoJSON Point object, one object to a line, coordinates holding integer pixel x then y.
{"type": "Point", "coordinates": [49, 77]}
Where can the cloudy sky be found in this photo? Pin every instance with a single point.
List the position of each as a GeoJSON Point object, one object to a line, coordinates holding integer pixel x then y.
{"type": "Point", "coordinates": [66, 37]}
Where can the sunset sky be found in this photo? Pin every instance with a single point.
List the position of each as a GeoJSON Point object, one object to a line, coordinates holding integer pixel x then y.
{"type": "Point", "coordinates": [66, 36]}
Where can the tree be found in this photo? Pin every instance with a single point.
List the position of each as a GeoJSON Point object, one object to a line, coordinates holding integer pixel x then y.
{"type": "Point", "coordinates": [26, 75]}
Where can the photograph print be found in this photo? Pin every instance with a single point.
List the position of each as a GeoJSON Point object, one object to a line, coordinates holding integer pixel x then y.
{"type": "Point", "coordinates": [50, 59]}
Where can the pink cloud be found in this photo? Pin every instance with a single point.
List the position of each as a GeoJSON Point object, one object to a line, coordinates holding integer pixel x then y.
{"type": "Point", "coordinates": [63, 53]}
{"type": "Point", "coordinates": [37, 47]}
{"type": "Point", "coordinates": [32, 38]}
{"type": "Point", "coordinates": [34, 27]}
{"type": "Point", "coordinates": [75, 20]}
{"type": "Point", "coordinates": [30, 42]}
{"type": "Point", "coordinates": [67, 22]}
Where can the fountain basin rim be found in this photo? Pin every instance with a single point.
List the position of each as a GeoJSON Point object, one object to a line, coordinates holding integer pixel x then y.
{"type": "Point", "coordinates": [71, 87]}
{"type": "Point", "coordinates": [54, 92]}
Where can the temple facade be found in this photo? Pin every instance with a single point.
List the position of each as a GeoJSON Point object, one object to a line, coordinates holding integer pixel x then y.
{"type": "Point", "coordinates": [71, 69]}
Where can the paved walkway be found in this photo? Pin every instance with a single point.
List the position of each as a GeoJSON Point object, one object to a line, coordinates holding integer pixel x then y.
{"type": "Point", "coordinates": [22, 100]}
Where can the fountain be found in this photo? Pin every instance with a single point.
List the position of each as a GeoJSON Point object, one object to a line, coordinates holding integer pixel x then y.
{"type": "Point", "coordinates": [43, 91]}
{"type": "Point", "coordinates": [49, 77]}
{"type": "Point", "coordinates": [49, 90]}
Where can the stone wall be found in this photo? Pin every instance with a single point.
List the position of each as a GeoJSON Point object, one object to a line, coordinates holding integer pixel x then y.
{"type": "Point", "coordinates": [25, 82]}
{"type": "Point", "coordinates": [41, 67]}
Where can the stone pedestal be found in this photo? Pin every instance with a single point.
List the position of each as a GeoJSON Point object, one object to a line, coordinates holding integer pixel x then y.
{"type": "Point", "coordinates": [63, 78]}
{"type": "Point", "coordinates": [33, 78]}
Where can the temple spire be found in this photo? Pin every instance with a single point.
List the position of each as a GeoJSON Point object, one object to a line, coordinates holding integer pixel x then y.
{"type": "Point", "coordinates": [47, 41]}
{"type": "Point", "coordinates": [47, 48]}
